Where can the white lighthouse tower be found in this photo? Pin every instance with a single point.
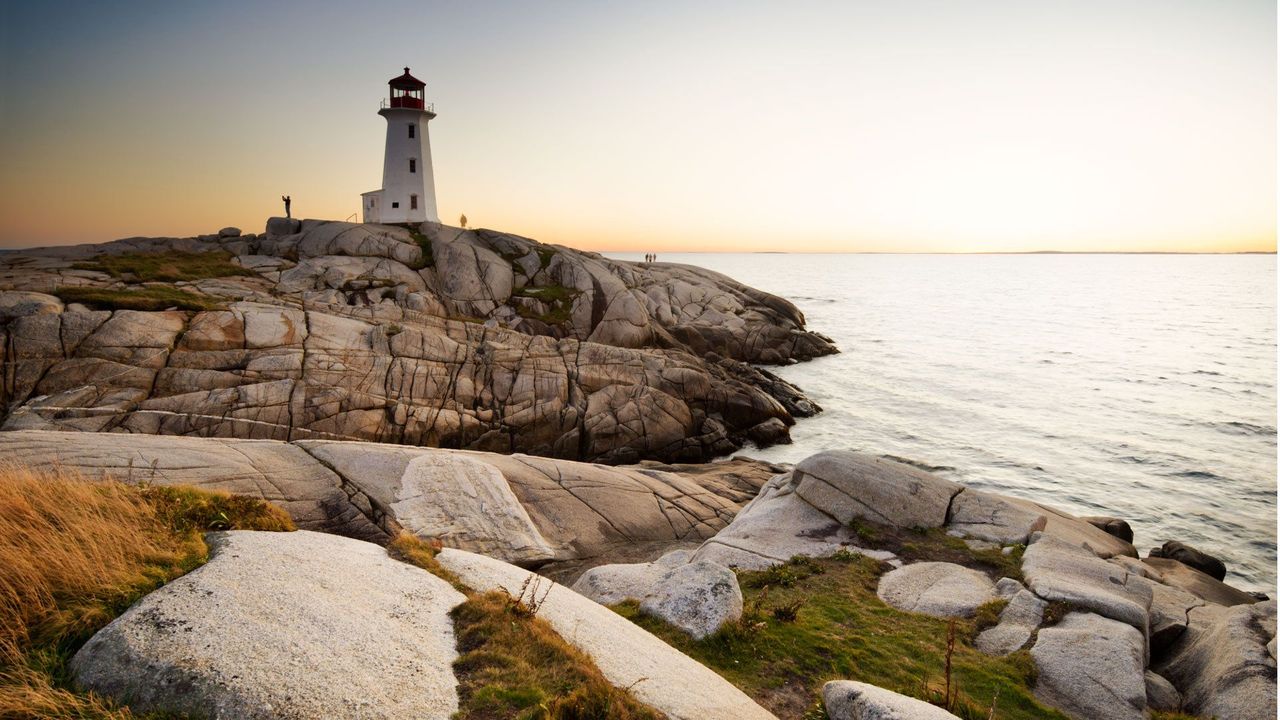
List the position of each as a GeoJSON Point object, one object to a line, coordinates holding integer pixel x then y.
{"type": "Point", "coordinates": [408, 193]}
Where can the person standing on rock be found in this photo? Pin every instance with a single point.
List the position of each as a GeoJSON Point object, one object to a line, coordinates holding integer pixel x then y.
{"type": "Point", "coordinates": [287, 200]}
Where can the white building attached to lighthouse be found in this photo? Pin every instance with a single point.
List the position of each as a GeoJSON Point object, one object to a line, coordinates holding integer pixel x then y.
{"type": "Point", "coordinates": [408, 193]}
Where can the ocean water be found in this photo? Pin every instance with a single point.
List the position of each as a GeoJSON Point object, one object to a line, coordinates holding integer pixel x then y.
{"type": "Point", "coordinates": [1139, 386]}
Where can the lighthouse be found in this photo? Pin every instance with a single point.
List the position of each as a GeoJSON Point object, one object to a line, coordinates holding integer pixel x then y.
{"type": "Point", "coordinates": [408, 193]}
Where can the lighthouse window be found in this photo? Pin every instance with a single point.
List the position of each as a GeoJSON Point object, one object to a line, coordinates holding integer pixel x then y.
{"type": "Point", "coordinates": [412, 129]}
{"type": "Point", "coordinates": [413, 202]}
{"type": "Point", "coordinates": [413, 165]}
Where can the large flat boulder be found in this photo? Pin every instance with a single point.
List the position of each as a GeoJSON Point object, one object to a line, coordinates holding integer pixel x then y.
{"type": "Point", "coordinates": [1222, 664]}
{"type": "Point", "coordinates": [848, 485]}
{"type": "Point", "coordinates": [939, 589]}
{"type": "Point", "coordinates": [628, 656]}
{"type": "Point", "coordinates": [776, 526]}
{"type": "Point", "coordinates": [990, 517]}
{"type": "Point", "coordinates": [578, 509]}
{"type": "Point", "coordinates": [1074, 531]}
{"type": "Point", "coordinates": [590, 507]}
{"type": "Point", "coordinates": [457, 499]}
{"type": "Point", "coordinates": [1092, 668]}
{"type": "Point", "coordinates": [852, 700]}
{"type": "Point", "coordinates": [1057, 570]}
{"type": "Point", "coordinates": [1184, 577]}
{"type": "Point", "coordinates": [284, 625]}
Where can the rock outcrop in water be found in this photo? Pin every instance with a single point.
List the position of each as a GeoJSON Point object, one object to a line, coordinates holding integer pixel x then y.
{"type": "Point", "coordinates": [436, 336]}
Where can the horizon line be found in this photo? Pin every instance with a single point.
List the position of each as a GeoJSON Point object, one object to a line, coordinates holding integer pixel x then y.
{"type": "Point", "coordinates": [951, 252]}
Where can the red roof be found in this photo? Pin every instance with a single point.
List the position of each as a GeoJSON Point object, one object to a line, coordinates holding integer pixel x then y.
{"type": "Point", "coordinates": [406, 80]}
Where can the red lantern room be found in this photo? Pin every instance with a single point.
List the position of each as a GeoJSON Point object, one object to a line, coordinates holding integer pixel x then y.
{"type": "Point", "coordinates": [407, 91]}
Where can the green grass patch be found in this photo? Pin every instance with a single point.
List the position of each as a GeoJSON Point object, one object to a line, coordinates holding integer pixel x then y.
{"type": "Point", "coordinates": [558, 299]}
{"type": "Point", "coordinates": [166, 266]}
{"type": "Point", "coordinates": [544, 255]}
{"type": "Point", "coordinates": [189, 512]}
{"type": "Point", "coordinates": [934, 544]}
{"type": "Point", "coordinates": [428, 257]}
{"type": "Point", "coordinates": [101, 546]}
{"type": "Point", "coordinates": [843, 631]}
{"type": "Point", "coordinates": [155, 297]}
{"type": "Point", "coordinates": [512, 664]}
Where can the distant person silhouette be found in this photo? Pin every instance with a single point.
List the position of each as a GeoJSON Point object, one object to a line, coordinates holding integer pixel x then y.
{"type": "Point", "coordinates": [287, 200]}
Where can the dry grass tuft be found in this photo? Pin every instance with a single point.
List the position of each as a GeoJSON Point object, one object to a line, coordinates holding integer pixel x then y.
{"type": "Point", "coordinates": [70, 551]}
{"type": "Point", "coordinates": [512, 664]}
{"type": "Point", "coordinates": [74, 554]}
{"type": "Point", "coordinates": [416, 551]}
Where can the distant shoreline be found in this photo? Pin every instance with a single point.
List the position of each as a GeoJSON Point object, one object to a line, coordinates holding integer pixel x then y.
{"type": "Point", "coordinates": [885, 252]}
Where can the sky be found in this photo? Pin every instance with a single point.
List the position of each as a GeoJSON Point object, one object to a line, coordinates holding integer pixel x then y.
{"type": "Point", "coordinates": [885, 126]}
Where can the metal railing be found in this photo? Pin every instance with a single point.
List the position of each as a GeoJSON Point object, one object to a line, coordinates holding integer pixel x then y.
{"type": "Point", "coordinates": [385, 104]}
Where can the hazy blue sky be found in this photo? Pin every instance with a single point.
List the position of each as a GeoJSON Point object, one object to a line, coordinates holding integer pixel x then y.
{"type": "Point", "coordinates": [889, 125]}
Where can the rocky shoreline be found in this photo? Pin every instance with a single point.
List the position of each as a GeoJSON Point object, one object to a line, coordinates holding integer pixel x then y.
{"type": "Point", "coordinates": [522, 409]}
{"type": "Point", "coordinates": [435, 336]}
{"type": "Point", "coordinates": [1169, 636]}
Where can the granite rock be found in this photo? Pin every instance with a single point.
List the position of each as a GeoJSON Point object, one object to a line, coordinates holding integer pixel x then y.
{"type": "Point", "coordinates": [1191, 557]}
{"type": "Point", "coordinates": [1018, 621]}
{"type": "Point", "coordinates": [1184, 577]}
{"type": "Point", "coordinates": [940, 589]}
{"type": "Point", "coordinates": [848, 486]}
{"type": "Point", "coordinates": [1057, 570]}
{"type": "Point", "coordinates": [851, 700]}
{"type": "Point", "coordinates": [1222, 664]}
{"type": "Point", "coordinates": [351, 331]}
{"type": "Point", "coordinates": [776, 526]}
{"type": "Point", "coordinates": [990, 517]}
{"type": "Point", "coordinates": [1161, 694]}
{"type": "Point", "coordinates": [1091, 668]}
{"type": "Point", "coordinates": [522, 508]}
{"type": "Point", "coordinates": [284, 625]}
{"type": "Point", "coordinates": [698, 597]}
{"type": "Point", "coordinates": [1113, 526]}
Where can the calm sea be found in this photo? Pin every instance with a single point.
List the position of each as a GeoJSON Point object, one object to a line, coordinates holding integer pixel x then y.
{"type": "Point", "coordinates": [1139, 386]}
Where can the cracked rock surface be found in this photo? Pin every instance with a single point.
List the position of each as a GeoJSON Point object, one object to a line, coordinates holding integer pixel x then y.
{"type": "Point", "coordinates": [1222, 664]}
{"type": "Point", "coordinates": [519, 508]}
{"type": "Point", "coordinates": [347, 331]}
{"type": "Point", "coordinates": [1092, 667]}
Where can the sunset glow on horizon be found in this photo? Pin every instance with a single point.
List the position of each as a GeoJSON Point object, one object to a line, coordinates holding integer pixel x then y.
{"type": "Point", "coordinates": [915, 126]}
